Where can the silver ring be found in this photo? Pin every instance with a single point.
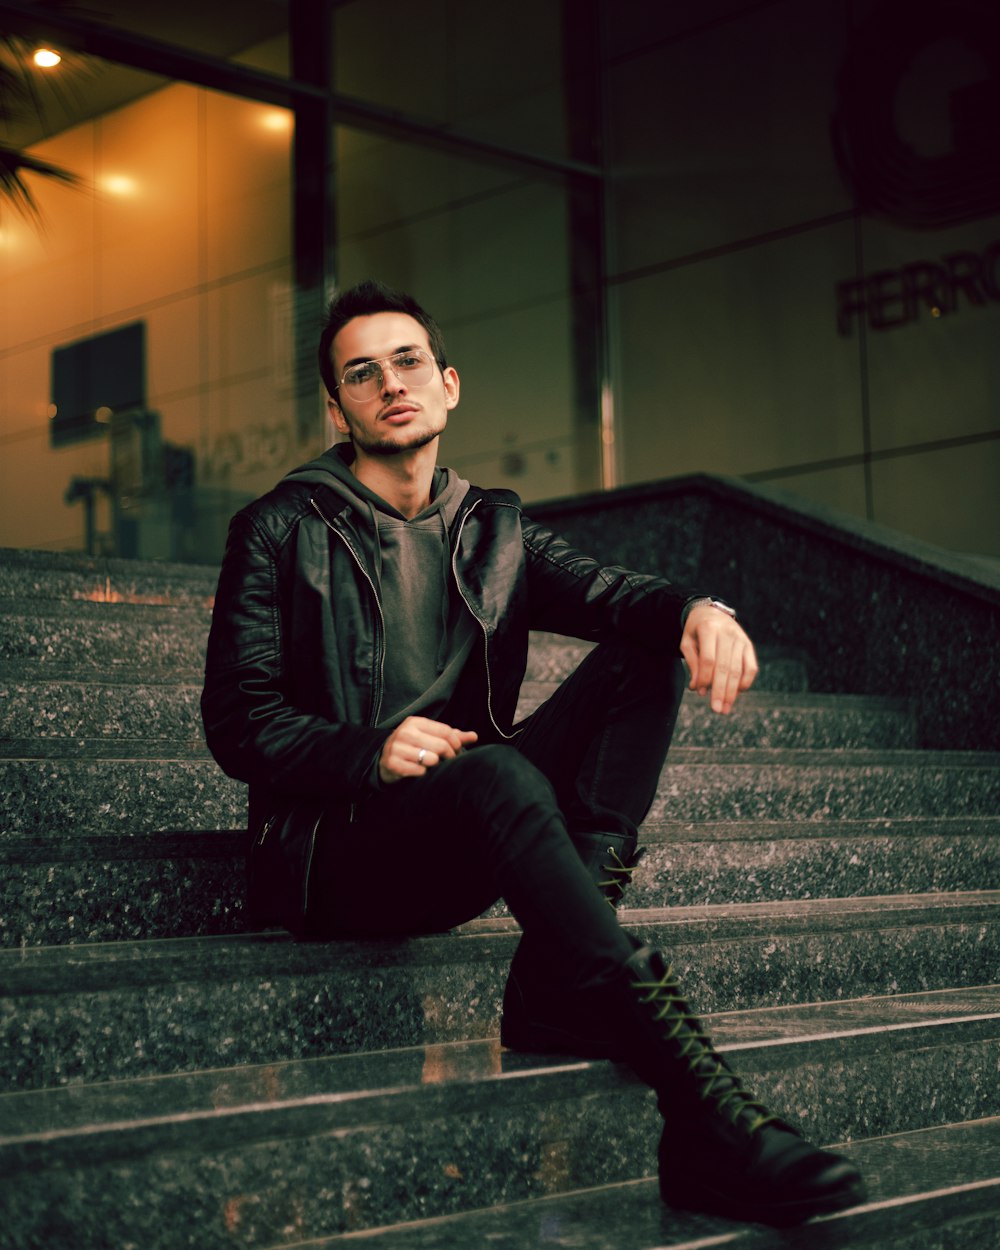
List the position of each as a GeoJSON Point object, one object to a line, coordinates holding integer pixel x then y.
{"type": "Point", "coordinates": [420, 755]}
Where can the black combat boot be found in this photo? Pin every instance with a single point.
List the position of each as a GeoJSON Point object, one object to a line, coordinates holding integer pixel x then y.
{"type": "Point", "coordinates": [538, 1015]}
{"type": "Point", "coordinates": [722, 1152]}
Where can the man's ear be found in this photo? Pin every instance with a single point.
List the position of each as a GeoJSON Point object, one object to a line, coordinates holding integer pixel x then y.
{"type": "Point", "coordinates": [451, 387]}
{"type": "Point", "coordinates": [336, 416]}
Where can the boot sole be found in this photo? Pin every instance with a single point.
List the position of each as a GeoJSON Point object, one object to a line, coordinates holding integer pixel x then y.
{"type": "Point", "coordinates": [706, 1201]}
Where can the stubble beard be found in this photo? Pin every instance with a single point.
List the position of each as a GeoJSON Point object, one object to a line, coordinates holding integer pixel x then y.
{"type": "Point", "coordinates": [393, 447]}
{"type": "Point", "coordinates": [390, 443]}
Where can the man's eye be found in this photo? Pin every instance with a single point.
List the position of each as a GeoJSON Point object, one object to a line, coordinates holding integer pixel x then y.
{"type": "Point", "coordinates": [362, 373]}
{"type": "Point", "coordinates": [408, 360]}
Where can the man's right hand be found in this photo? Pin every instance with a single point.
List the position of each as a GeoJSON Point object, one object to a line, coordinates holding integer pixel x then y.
{"type": "Point", "coordinates": [417, 744]}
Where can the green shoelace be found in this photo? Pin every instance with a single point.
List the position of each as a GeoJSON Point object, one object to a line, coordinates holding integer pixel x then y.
{"type": "Point", "coordinates": [619, 874]}
{"type": "Point", "coordinates": [715, 1082]}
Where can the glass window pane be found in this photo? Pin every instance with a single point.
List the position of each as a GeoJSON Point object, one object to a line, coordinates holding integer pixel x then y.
{"type": "Point", "coordinates": [765, 325]}
{"type": "Point", "coordinates": [254, 33]}
{"type": "Point", "coordinates": [494, 72]}
{"type": "Point", "coordinates": [179, 227]}
{"type": "Point", "coordinates": [487, 253]}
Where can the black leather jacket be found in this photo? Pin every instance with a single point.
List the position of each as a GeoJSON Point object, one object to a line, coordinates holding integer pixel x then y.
{"type": "Point", "coordinates": [293, 677]}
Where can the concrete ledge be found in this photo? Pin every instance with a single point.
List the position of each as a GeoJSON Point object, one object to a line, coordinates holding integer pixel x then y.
{"type": "Point", "coordinates": [876, 612]}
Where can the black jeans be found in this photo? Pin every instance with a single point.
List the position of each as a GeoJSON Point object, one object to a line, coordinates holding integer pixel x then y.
{"type": "Point", "coordinates": [427, 853]}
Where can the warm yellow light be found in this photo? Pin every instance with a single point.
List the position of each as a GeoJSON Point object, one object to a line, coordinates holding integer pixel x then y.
{"type": "Point", "coordinates": [46, 58]}
{"type": "Point", "coordinates": [278, 120]}
{"type": "Point", "coordinates": [103, 414]}
{"type": "Point", "coordinates": [119, 184]}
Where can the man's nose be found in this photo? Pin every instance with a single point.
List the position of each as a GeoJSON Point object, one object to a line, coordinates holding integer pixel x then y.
{"type": "Point", "coordinates": [391, 385]}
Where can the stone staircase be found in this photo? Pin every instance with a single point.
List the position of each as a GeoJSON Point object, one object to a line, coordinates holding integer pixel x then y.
{"type": "Point", "coordinates": [830, 891]}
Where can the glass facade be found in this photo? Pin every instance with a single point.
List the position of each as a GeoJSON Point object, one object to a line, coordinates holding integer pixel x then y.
{"type": "Point", "coordinates": [804, 257]}
{"type": "Point", "coordinates": [627, 219]}
{"type": "Point", "coordinates": [180, 226]}
{"type": "Point", "coordinates": [488, 253]}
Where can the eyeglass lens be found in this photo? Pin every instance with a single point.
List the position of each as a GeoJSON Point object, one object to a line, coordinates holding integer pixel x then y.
{"type": "Point", "coordinates": [367, 378]}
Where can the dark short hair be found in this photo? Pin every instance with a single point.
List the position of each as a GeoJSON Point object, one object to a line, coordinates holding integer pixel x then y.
{"type": "Point", "coordinates": [371, 296]}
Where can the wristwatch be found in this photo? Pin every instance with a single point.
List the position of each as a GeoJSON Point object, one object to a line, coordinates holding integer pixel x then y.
{"type": "Point", "coordinates": [723, 607]}
{"type": "Point", "coordinates": [706, 602]}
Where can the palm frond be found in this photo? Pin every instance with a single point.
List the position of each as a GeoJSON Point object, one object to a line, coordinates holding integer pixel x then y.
{"type": "Point", "coordinates": [14, 165]}
{"type": "Point", "coordinates": [17, 98]}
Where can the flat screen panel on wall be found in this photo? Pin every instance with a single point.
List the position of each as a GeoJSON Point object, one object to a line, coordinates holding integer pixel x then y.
{"type": "Point", "coordinates": [95, 377]}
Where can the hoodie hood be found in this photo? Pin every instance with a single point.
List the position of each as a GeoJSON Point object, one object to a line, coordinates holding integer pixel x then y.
{"type": "Point", "coordinates": [411, 560]}
{"type": "Point", "coordinates": [332, 469]}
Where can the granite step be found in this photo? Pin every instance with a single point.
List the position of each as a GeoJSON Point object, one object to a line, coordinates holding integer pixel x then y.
{"type": "Point", "coordinates": [105, 888]}
{"type": "Point", "coordinates": [243, 1088]}
{"type": "Point", "coordinates": [161, 703]}
{"type": "Point", "coordinates": [103, 635]}
{"type": "Point", "coordinates": [775, 719]}
{"type": "Point", "coordinates": [552, 657]}
{"type": "Point", "coordinates": [749, 784]}
{"type": "Point", "coordinates": [166, 705]}
{"type": "Point", "coordinates": [94, 1012]}
{"type": "Point", "coordinates": [92, 635]}
{"type": "Point", "coordinates": [44, 576]}
{"type": "Point", "coordinates": [928, 1189]}
{"type": "Point", "coordinates": [84, 786]}
{"type": "Point", "coordinates": [283, 1153]}
{"type": "Point", "coordinates": [687, 863]}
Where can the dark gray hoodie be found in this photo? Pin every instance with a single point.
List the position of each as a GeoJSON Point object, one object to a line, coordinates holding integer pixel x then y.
{"type": "Point", "coordinates": [429, 632]}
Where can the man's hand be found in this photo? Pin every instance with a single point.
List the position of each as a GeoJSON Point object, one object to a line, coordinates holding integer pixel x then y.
{"type": "Point", "coordinates": [417, 744]}
{"type": "Point", "coordinates": [719, 655]}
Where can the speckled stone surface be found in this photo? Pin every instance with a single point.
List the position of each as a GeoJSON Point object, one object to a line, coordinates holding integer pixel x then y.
{"type": "Point", "coordinates": [777, 720]}
{"type": "Point", "coordinates": [50, 700]}
{"type": "Point", "coordinates": [426, 1132]}
{"type": "Point", "coordinates": [45, 789]}
{"type": "Point", "coordinates": [553, 657]}
{"type": "Point", "coordinates": [875, 612]}
{"type": "Point", "coordinates": [114, 824]}
{"type": "Point", "coordinates": [126, 1009]}
{"type": "Point", "coordinates": [119, 796]}
{"type": "Point", "coordinates": [102, 900]}
{"type": "Point", "coordinates": [56, 575]}
{"type": "Point", "coordinates": [751, 862]}
{"type": "Point", "coordinates": [93, 888]}
{"type": "Point", "coordinates": [785, 785]}
{"type": "Point", "coordinates": [133, 704]}
{"type": "Point", "coordinates": [935, 1189]}
{"type": "Point", "coordinates": [130, 706]}
{"type": "Point", "coordinates": [98, 635]}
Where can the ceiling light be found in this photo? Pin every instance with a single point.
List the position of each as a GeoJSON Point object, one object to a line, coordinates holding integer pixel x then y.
{"type": "Point", "coordinates": [46, 58]}
{"type": "Point", "coordinates": [278, 120]}
{"type": "Point", "coordinates": [119, 184]}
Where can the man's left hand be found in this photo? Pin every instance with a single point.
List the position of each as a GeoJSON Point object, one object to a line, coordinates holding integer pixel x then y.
{"type": "Point", "coordinates": [719, 655]}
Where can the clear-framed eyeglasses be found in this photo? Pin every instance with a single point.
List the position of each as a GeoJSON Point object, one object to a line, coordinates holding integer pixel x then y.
{"type": "Point", "coordinates": [365, 381]}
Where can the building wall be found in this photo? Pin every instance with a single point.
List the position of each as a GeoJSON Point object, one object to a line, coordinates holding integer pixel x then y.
{"type": "Point", "coordinates": [483, 245]}
{"type": "Point", "coordinates": [182, 222]}
{"type": "Point", "coordinates": [730, 229]}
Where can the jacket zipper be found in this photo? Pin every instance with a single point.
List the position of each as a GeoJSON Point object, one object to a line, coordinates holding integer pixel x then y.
{"type": "Point", "coordinates": [479, 622]}
{"type": "Point", "coordinates": [377, 701]}
{"type": "Point", "coordinates": [309, 861]}
{"type": "Point", "coordinates": [265, 829]}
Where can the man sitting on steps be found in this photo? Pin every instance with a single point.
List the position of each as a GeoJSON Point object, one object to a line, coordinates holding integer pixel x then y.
{"type": "Point", "coordinates": [368, 643]}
